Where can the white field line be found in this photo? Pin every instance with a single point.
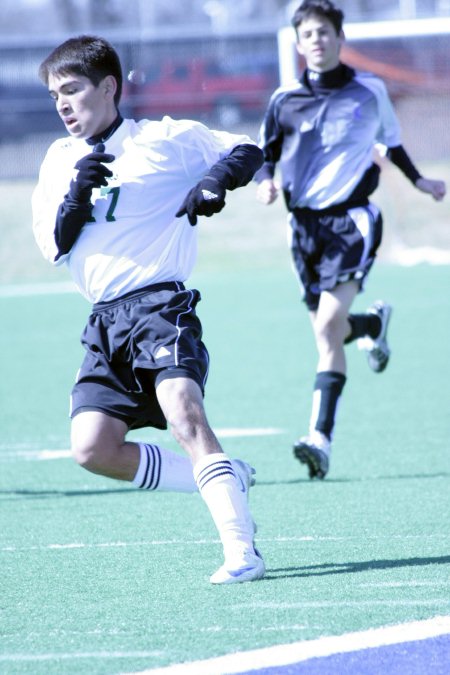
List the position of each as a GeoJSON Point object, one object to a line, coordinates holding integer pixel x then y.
{"type": "Point", "coordinates": [154, 542]}
{"type": "Point", "coordinates": [317, 604]}
{"type": "Point", "coordinates": [74, 545]}
{"type": "Point", "coordinates": [241, 433]}
{"type": "Point", "coordinates": [281, 655]}
{"type": "Point", "coordinates": [406, 584]}
{"type": "Point", "coordinates": [408, 257]}
{"type": "Point", "coordinates": [51, 288]}
{"type": "Point", "coordinates": [400, 255]}
{"type": "Point", "coordinates": [12, 658]}
{"type": "Point", "coordinates": [284, 655]}
{"type": "Point", "coordinates": [22, 451]}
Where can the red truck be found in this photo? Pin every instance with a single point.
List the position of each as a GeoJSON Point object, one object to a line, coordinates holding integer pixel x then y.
{"type": "Point", "coordinates": [201, 87]}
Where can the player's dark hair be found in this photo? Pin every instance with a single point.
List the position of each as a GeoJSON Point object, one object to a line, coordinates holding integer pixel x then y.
{"type": "Point", "coordinates": [322, 8]}
{"type": "Point", "coordinates": [86, 55]}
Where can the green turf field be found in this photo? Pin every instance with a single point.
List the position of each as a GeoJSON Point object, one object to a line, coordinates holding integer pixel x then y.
{"type": "Point", "coordinates": [100, 579]}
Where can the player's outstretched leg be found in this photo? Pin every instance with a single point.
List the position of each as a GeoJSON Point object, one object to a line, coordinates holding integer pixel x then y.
{"type": "Point", "coordinates": [377, 348]}
{"type": "Point", "coordinates": [224, 486]}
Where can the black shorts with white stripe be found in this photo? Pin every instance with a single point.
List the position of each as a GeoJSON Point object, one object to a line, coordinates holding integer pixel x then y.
{"type": "Point", "coordinates": [331, 248]}
{"type": "Point", "coordinates": [134, 342]}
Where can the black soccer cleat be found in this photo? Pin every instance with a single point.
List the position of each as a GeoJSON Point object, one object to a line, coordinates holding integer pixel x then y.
{"type": "Point", "coordinates": [316, 458]}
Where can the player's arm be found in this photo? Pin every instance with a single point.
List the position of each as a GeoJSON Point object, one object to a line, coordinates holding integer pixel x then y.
{"type": "Point", "coordinates": [399, 157]}
{"type": "Point", "coordinates": [229, 173]}
{"type": "Point", "coordinates": [76, 209]}
{"type": "Point", "coordinates": [267, 191]}
{"type": "Point", "coordinates": [271, 143]}
{"type": "Point", "coordinates": [390, 137]}
{"type": "Point", "coordinates": [436, 188]}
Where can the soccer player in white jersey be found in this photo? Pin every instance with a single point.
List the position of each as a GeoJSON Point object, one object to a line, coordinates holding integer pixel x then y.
{"type": "Point", "coordinates": [117, 201]}
{"type": "Point", "coordinates": [322, 130]}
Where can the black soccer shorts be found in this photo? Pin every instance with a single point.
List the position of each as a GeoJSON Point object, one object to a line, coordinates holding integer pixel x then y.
{"type": "Point", "coordinates": [133, 343]}
{"type": "Point", "coordinates": [330, 249]}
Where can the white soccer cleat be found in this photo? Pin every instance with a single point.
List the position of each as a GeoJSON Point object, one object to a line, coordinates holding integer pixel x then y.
{"type": "Point", "coordinates": [250, 568]}
{"type": "Point", "coordinates": [377, 349]}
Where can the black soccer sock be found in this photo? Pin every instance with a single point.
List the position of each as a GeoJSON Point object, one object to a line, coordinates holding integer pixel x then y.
{"type": "Point", "coordinates": [327, 391]}
{"type": "Point", "coordinates": [362, 325]}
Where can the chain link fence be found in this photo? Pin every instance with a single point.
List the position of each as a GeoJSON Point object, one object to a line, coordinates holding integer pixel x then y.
{"type": "Point", "coordinates": [224, 80]}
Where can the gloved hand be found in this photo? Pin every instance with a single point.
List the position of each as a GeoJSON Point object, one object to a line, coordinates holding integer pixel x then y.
{"type": "Point", "coordinates": [205, 199]}
{"type": "Point", "coordinates": [92, 173]}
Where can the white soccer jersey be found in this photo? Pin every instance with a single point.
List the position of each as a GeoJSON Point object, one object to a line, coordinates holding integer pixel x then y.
{"type": "Point", "coordinates": [134, 238]}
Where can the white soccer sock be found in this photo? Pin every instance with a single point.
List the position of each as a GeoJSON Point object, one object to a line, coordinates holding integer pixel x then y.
{"type": "Point", "coordinates": [227, 504]}
{"type": "Point", "coordinates": [163, 470]}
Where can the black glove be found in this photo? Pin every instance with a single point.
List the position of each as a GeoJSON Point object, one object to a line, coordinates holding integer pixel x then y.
{"type": "Point", "coordinates": [92, 173]}
{"type": "Point", "coordinates": [205, 199]}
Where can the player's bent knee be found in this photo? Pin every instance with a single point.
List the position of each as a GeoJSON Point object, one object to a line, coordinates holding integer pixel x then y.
{"type": "Point", "coordinates": [89, 454]}
{"type": "Point", "coordinates": [85, 456]}
{"type": "Point", "coordinates": [96, 439]}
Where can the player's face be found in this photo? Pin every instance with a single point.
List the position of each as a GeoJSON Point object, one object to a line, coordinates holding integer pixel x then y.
{"type": "Point", "coordinates": [85, 109]}
{"type": "Point", "coordinates": [319, 43]}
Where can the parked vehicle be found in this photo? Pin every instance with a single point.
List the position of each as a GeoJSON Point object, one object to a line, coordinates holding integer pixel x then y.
{"type": "Point", "coordinates": [198, 88]}
{"type": "Point", "coordinates": [201, 87]}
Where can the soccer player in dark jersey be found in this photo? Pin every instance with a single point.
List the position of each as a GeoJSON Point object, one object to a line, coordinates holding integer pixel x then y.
{"type": "Point", "coordinates": [117, 201]}
{"type": "Point", "coordinates": [322, 130]}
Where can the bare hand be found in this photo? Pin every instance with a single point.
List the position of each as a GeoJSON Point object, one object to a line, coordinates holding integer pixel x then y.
{"type": "Point", "coordinates": [435, 188]}
{"type": "Point", "coordinates": [267, 191]}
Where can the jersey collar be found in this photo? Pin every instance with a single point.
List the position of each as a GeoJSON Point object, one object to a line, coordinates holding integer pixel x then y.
{"type": "Point", "coordinates": [107, 133]}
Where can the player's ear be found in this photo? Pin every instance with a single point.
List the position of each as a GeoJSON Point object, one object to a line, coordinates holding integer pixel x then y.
{"type": "Point", "coordinates": [109, 86]}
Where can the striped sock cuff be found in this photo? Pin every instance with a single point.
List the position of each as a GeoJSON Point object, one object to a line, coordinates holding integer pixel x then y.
{"type": "Point", "coordinates": [214, 469]}
{"type": "Point", "coordinates": [149, 471]}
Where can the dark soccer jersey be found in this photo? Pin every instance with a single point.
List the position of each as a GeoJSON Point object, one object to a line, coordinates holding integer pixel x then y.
{"type": "Point", "coordinates": [324, 142]}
